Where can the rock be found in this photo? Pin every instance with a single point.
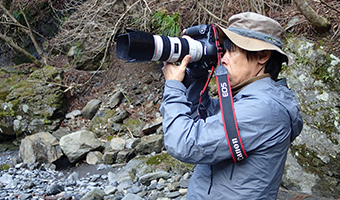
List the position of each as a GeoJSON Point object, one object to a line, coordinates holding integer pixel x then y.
{"type": "Point", "coordinates": [32, 105]}
{"type": "Point", "coordinates": [114, 100]}
{"type": "Point", "coordinates": [134, 126]}
{"type": "Point", "coordinates": [152, 126]}
{"type": "Point", "coordinates": [110, 157]}
{"type": "Point", "coordinates": [76, 145]}
{"type": "Point", "coordinates": [110, 190]}
{"type": "Point", "coordinates": [54, 188]}
{"type": "Point", "coordinates": [125, 155]}
{"type": "Point", "coordinates": [62, 131]}
{"type": "Point", "coordinates": [72, 52]}
{"type": "Point", "coordinates": [94, 194]}
{"type": "Point", "coordinates": [41, 147]}
{"type": "Point", "coordinates": [132, 143]}
{"type": "Point", "coordinates": [91, 108]}
{"type": "Point", "coordinates": [134, 189]}
{"type": "Point", "coordinates": [117, 144]}
{"type": "Point", "coordinates": [94, 157]}
{"type": "Point", "coordinates": [6, 179]}
{"type": "Point", "coordinates": [173, 194]}
{"type": "Point", "coordinates": [149, 144]}
{"type": "Point", "coordinates": [24, 196]}
{"type": "Point", "coordinates": [131, 196]}
{"type": "Point", "coordinates": [73, 114]}
{"type": "Point", "coordinates": [314, 154]}
{"type": "Point", "coordinates": [147, 178]}
{"type": "Point", "coordinates": [120, 116]}
{"type": "Point", "coordinates": [72, 179]}
{"type": "Point", "coordinates": [99, 123]}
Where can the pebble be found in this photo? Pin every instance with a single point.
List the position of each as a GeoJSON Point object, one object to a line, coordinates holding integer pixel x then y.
{"type": "Point", "coordinates": [24, 183]}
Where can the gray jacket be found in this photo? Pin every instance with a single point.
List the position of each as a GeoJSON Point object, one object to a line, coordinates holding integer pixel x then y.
{"type": "Point", "coordinates": [268, 118]}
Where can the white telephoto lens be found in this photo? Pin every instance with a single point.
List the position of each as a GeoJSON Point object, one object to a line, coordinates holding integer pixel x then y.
{"type": "Point", "coordinates": [176, 49]}
{"type": "Point", "coordinates": [158, 48]}
{"type": "Point", "coordinates": [195, 50]}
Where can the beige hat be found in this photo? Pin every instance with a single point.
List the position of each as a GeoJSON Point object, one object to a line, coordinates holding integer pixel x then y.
{"type": "Point", "coordinates": [255, 32]}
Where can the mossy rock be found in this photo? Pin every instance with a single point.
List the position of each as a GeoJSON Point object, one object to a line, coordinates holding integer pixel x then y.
{"type": "Point", "coordinates": [134, 125]}
{"type": "Point", "coordinates": [6, 84]}
{"type": "Point", "coordinates": [166, 162]}
{"type": "Point", "coordinates": [48, 73]}
{"type": "Point", "coordinates": [28, 101]}
{"type": "Point", "coordinates": [100, 120]}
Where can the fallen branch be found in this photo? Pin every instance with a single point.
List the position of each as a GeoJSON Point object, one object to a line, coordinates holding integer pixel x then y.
{"type": "Point", "coordinates": [21, 50]}
{"type": "Point", "coordinates": [321, 24]}
{"type": "Point", "coordinates": [27, 30]}
{"type": "Point", "coordinates": [30, 33]}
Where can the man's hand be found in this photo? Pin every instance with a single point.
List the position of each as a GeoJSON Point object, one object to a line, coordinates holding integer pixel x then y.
{"type": "Point", "coordinates": [174, 72]}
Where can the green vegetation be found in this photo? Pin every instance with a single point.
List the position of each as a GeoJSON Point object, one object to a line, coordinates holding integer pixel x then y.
{"type": "Point", "coordinates": [4, 167]}
{"type": "Point", "coordinates": [167, 162]}
{"type": "Point", "coordinates": [164, 24]}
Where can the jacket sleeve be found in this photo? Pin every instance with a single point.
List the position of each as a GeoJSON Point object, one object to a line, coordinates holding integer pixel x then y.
{"type": "Point", "coordinates": [204, 141]}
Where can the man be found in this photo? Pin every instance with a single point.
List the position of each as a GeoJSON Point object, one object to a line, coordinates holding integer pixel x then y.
{"type": "Point", "coordinates": [266, 110]}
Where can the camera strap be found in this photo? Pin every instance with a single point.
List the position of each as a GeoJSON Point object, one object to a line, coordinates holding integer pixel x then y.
{"type": "Point", "coordinates": [231, 130]}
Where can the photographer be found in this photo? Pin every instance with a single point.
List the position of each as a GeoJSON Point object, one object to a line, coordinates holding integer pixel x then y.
{"type": "Point", "coordinates": [266, 110]}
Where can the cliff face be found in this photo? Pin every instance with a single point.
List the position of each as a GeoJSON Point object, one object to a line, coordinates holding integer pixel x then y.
{"type": "Point", "coordinates": [314, 155]}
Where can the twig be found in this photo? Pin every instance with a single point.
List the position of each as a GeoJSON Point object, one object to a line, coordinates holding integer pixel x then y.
{"type": "Point", "coordinates": [336, 33]}
{"type": "Point", "coordinates": [214, 16]}
{"type": "Point", "coordinates": [109, 41]}
{"type": "Point", "coordinates": [147, 6]}
{"type": "Point", "coordinates": [322, 1]}
{"type": "Point", "coordinates": [130, 133]}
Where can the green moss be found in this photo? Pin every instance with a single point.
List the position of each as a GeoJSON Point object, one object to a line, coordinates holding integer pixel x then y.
{"type": "Point", "coordinates": [166, 162]}
{"type": "Point", "coordinates": [6, 84]}
{"type": "Point", "coordinates": [311, 163]}
{"type": "Point", "coordinates": [109, 137]}
{"type": "Point", "coordinates": [4, 167]}
{"type": "Point", "coordinates": [48, 73]}
{"type": "Point", "coordinates": [134, 125]}
{"type": "Point", "coordinates": [308, 159]}
{"type": "Point", "coordinates": [328, 127]}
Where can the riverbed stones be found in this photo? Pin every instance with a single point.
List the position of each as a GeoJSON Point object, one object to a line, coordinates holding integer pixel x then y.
{"type": "Point", "coordinates": [76, 145]}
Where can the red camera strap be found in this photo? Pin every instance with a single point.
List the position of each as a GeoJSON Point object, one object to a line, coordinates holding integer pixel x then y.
{"type": "Point", "coordinates": [226, 104]}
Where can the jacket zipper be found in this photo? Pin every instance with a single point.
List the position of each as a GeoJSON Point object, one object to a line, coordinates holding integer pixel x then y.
{"type": "Point", "coordinates": [211, 179]}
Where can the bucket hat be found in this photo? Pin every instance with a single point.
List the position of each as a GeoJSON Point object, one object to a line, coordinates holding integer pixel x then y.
{"type": "Point", "coordinates": [255, 32]}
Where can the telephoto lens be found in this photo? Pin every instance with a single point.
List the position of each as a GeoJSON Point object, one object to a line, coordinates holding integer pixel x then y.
{"type": "Point", "coordinates": [139, 46]}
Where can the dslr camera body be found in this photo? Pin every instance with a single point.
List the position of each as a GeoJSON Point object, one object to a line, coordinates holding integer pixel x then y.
{"type": "Point", "coordinates": [139, 46]}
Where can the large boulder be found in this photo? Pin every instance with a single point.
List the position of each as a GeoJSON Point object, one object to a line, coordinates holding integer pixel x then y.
{"type": "Point", "coordinates": [31, 105]}
{"type": "Point", "coordinates": [313, 163]}
{"type": "Point", "coordinates": [41, 147]}
{"type": "Point", "coordinates": [76, 145]}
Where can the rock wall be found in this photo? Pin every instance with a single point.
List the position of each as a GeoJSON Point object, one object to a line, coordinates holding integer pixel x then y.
{"type": "Point", "coordinates": [313, 163]}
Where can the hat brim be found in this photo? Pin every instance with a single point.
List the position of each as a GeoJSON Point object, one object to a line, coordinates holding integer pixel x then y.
{"type": "Point", "coordinates": [251, 44]}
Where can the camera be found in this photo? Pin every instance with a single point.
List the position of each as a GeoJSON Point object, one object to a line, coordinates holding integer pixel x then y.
{"type": "Point", "coordinates": [139, 46]}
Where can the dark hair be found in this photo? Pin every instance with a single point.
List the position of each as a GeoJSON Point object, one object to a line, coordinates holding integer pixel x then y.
{"type": "Point", "coordinates": [273, 65]}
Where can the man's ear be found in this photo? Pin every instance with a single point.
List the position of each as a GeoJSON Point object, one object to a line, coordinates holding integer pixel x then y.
{"type": "Point", "coordinates": [263, 56]}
